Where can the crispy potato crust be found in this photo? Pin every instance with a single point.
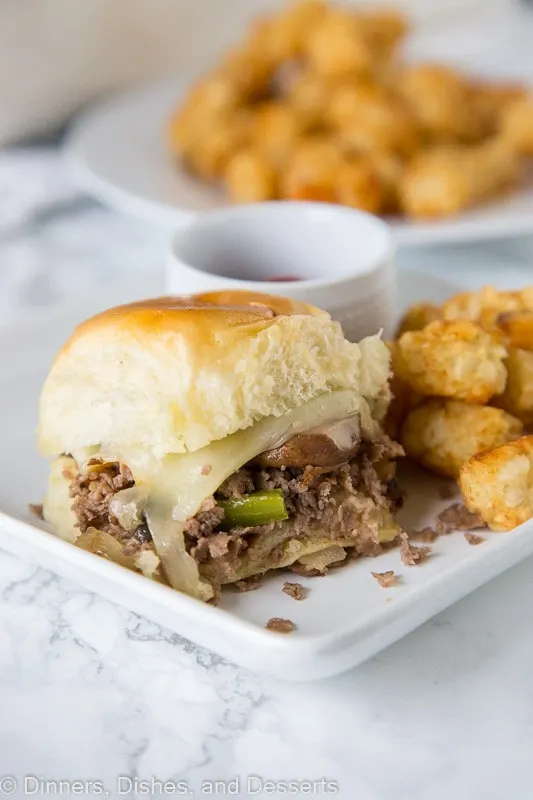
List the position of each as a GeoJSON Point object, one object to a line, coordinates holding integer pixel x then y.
{"type": "Point", "coordinates": [488, 304]}
{"type": "Point", "coordinates": [442, 434]}
{"type": "Point", "coordinates": [456, 359]}
{"type": "Point", "coordinates": [447, 179]}
{"type": "Point", "coordinates": [498, 484]}
{"type": "Point", "coordinates": [250, 178]}
{"type": "Point", "coordinates": [441, 98]}
{"type": "Point", "coordinates": [517, 125]}
{"type": "Point", "coordinates": [517, 327]}
{"type": "Point", "coordinates": [517, 398]}
{"type": "Point", "coordinates": [275, 130]}
{"type": "Point", "coordinates": [417, 317]}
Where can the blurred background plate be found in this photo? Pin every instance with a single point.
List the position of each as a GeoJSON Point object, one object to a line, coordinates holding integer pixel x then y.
{"type": "Point", "coordinates": [119, 155]}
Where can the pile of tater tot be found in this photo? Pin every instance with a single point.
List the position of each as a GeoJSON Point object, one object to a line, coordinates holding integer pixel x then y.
{"type": "Point", "coordinates": [463, 398]}
{"type": "Point", "coordinates": [316, 104]}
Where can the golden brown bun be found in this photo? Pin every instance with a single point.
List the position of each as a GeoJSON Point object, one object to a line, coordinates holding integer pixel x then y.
{"type": "Point", "coordinates": [176, 373]}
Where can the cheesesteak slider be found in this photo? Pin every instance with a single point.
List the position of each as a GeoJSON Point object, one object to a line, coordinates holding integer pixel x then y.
{"type": "Point", "coordinates": [204, 440]}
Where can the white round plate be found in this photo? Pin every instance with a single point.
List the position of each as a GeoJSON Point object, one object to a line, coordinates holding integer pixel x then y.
{"type": "Point", "coordinates": [119, 154]}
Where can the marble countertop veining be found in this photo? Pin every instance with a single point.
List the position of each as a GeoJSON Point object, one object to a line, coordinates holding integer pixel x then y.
{"type": "Point", "coordinates": [90, 691]}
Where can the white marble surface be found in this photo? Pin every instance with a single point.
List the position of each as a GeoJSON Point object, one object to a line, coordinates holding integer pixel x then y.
{"type": "Point", "coordinates": [90, 691]}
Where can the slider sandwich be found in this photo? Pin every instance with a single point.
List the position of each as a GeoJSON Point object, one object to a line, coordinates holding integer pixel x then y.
{"type": "Point", "coordinates": [204, 440]}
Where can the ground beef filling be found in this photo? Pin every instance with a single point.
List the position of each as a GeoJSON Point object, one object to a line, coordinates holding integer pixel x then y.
{"type": "Point", "coordinates": [92, 490]}
{"type": "Point", "coordinates": [347, 501]}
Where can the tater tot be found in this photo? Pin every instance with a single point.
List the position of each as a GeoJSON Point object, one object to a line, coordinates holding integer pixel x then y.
{"type": "Point", "coordinates": [346, 42]}
{"type": "Point", "coordinates": [517, 126]}
{"type": "Point", "coordinates": [320, 171]}
{"type": "Point", "coordinates": [517, 327]}
{"type": "Point", "coordinates": [464, 305]}
{"type": "Point", "coordinates": [526, 297]}
{"type": "Point", "coordinates": [249, 178]}
{"type": "Point", "coordinates": [492, 100]}
{"type": "Point", "coordinates": [249, 69]}
{"type": "Point", "coordinates": [280, 37]}
{"type": "Point", "coordinates": [368, 119]}
{"type": "Point", "coordinates": [442, 434]}
{"type": "Point", "coordinates": [311, 170]}
{"type": "Point", "coordinates": [485, 305]}
{"type": "Point", "coordinates": [347, 98]}
{"type": "Point", "coordinates": [210, 99]}
{"type": "Point", "coordinates": [290, 29]}
{"type": "Point", "coordinates": [443, 181]}
{"type": "Point", "coordinates": [389, 167]}
{"type": "Point", "coordinates": [338, 47]}
{"type": "Point", "coordinates": [517, 398]}
{"type": "Point", "coordinates": [215, 92]}
{"type": "Point", "coordinates": [417, 317]}
{"type": "Point", "coordinates": [441, 99]}
{"type": "Point", "coordinates": [452, 359]}
{"type": "Point", "coordinates": [275, 130]}
{"type": "Point", "coordinates": [273, 41]}
{"type": "Point", "coordinates": [391, 133]}
{"type": "Point", "coordinates": [385, 28]}
{"type": "Point", "coordinates": [498, 484]}
{"type": "Point", "coordinates": [209, 127]}
{"type": "Point", "coordinates": [358, 185]}
{"type": "Point", "coordinates": [309, 95]}
{"type": "Point", "coordinates": [215, 145]}
{"type": "Point", "coordinates": [435, 185]}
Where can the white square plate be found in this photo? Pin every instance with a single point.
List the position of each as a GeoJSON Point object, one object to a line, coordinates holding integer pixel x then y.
{"type": "Point", "coordinates": [347, 616]}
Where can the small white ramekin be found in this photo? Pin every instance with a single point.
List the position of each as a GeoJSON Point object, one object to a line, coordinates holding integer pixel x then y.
{"type": "Point", "coordinates": [343, 259]}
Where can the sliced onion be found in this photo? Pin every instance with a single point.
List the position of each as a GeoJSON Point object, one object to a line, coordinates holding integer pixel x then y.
{"type": "Point", "coordinates": [322, 559]}
{"type": "Point", "coordinates": [104, 545]}
{"type": "Point", "coordinates": [180, 568]}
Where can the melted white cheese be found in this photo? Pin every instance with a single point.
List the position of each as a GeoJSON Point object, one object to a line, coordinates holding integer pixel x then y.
{"type": "Point", "coordinates": [172, 490]}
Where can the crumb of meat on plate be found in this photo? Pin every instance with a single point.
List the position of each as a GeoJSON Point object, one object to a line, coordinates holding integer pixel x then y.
{"type": "Point", "coordinates": [307, 572]}
{"type": "Point", "coordinates": [36, 510]}
{"type": "Point", "coordinates": [410, 554]}
{"type": "Point", "coordinates": [471, 538]}
{"type": "Point", "coordinates": [295, 590]}
{"type": "Point", "coordinates": [249, 584]}
{"type": "Point", "coordinates": [458, 518]}
{"type": "Point", "coordinates": [280, 625]}
{"type": "Point", "coordinates": [447, 491]}
{"type": "Point", "coordinates": [427, 534]}
{"type": "Point", "coordinates": [386, 579]}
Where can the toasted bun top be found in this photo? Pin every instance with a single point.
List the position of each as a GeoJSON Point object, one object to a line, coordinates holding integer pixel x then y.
{"type": "Point", "coordinates": [176, 373]}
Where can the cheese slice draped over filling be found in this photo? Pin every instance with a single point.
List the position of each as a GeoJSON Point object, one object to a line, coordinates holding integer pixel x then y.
{"type": "Point", "coordinates": [172, 490]}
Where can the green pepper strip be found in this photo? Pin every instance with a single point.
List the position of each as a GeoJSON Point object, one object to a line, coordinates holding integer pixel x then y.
{"type": "Point", "coordinates": [254, 509]}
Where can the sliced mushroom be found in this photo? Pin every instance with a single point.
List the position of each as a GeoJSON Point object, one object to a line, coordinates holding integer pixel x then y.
{"type": "Point", "coordinates": [327, 446]}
